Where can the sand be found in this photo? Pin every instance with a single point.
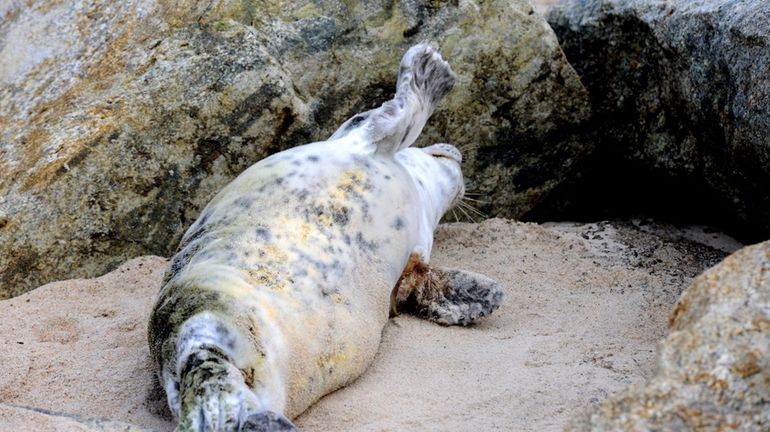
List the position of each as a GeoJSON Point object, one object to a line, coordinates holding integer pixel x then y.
{"type": "Point", "coordinates": [585, 307]}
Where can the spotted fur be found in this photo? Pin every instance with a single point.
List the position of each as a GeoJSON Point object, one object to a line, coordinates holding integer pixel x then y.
{"type": "Point", "coordinates": [279, 291]}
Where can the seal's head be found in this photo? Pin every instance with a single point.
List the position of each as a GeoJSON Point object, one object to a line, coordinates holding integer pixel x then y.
{"type": "Point", "coordinates": [437, 176]}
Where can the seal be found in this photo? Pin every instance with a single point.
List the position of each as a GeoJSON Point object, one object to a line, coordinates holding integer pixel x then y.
{"type": "Point", "coordinates": [279, 291]}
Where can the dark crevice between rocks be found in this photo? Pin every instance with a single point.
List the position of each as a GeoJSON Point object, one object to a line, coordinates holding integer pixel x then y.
{"type": "Point", "coordinates": [615, 190]}
{"type": "Point", "coordinates": [661, 152]}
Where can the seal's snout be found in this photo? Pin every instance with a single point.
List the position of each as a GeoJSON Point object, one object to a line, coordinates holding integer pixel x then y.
{"type": "Point", "coordinates": [448, 176]}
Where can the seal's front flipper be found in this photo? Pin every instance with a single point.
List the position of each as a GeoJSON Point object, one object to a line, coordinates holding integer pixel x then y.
{"type": "Point", "coordinates": [467, 297]}
{"type": "Point", "coordinates": [445, 296]}
{"type": "Point", "coordinates": [424, 78]}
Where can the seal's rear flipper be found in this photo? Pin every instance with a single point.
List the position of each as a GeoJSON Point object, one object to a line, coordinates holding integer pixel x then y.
{"type": "Point", "coordinates": [445, 296]}
{"type": "Point", "coordinates": [424, 78]}
{"type": "Point", "coordinates": [267, 421]}
{"type": "Point", "coordinates": [215, 397]}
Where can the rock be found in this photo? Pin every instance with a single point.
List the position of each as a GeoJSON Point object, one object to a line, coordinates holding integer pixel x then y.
{"type": "Point", "coordinates": [713, 368]}
{"type": "Point", "coordinates": [543, 6]}
{"type": "Point", "coordinates": [80, 346]}
{"type": "Point", "coordinates": [119, 121]}
{"type": "Point", "coordinates": [680, 92]}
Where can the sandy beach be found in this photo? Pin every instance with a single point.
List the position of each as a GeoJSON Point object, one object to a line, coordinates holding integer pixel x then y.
{"type": "Point", "coordinates": [585, 307]}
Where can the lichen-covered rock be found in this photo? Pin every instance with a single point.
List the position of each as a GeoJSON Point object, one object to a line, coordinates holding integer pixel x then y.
{"type": "Point", "coordinates": [120, 120]}
{"type": "Point", "coordinates": [680, 92]}
{"type": "Point", "coordinates": [714, 366]}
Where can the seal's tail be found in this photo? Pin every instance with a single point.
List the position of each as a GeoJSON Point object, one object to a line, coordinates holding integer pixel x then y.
{"type": "Point", "coordinates": [214, 397]}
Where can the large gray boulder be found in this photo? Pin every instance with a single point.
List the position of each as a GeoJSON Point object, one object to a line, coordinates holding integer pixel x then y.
{"type": "Point", "coordinates": [713, 368]}
{"type": "Point", "coordinates": [120, 120]}
{"type": "Point", "coordinates": [680, 91]}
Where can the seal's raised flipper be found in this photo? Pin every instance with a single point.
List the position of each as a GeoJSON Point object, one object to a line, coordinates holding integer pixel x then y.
{"type": "Point", "coordinates": [424, 78]}
{"type": "Point", "coordinates": [445, 296]}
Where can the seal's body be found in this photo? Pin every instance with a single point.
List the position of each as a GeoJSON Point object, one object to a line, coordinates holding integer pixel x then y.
{"type": "Point", "coordinates": [281, 288]}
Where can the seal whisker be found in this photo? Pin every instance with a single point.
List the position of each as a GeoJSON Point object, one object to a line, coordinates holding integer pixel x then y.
{"type": "Point", "coordinates": [460, 207]}
{"type": "Point", "coordinates": [467, 198]}
{"type": "Point", "coordinates": [474, 210]}
{"type": "Point", "coordinates": [454, 215]}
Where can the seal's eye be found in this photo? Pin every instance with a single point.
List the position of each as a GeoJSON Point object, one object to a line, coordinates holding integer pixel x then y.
{"type": "Point", "coordinates": [444, 151]}
{"type": "Point", "coordinates": [443, 156]}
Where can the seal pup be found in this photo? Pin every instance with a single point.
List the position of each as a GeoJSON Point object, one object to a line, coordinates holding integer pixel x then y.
{"type": "Point", "coordinates": [280, 289]}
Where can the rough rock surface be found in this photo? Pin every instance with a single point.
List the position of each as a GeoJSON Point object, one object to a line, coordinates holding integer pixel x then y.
{"type": "Point", "coordinates": [713, 368]}
{"type": "Point", "coordinates": [585, 307]}
{"type": "Point", "coordinates": [120, 120]}
{"type": "Point", "coordinates": [680, 92]}
{"type": "Point", "coordinates": [544, 6]}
